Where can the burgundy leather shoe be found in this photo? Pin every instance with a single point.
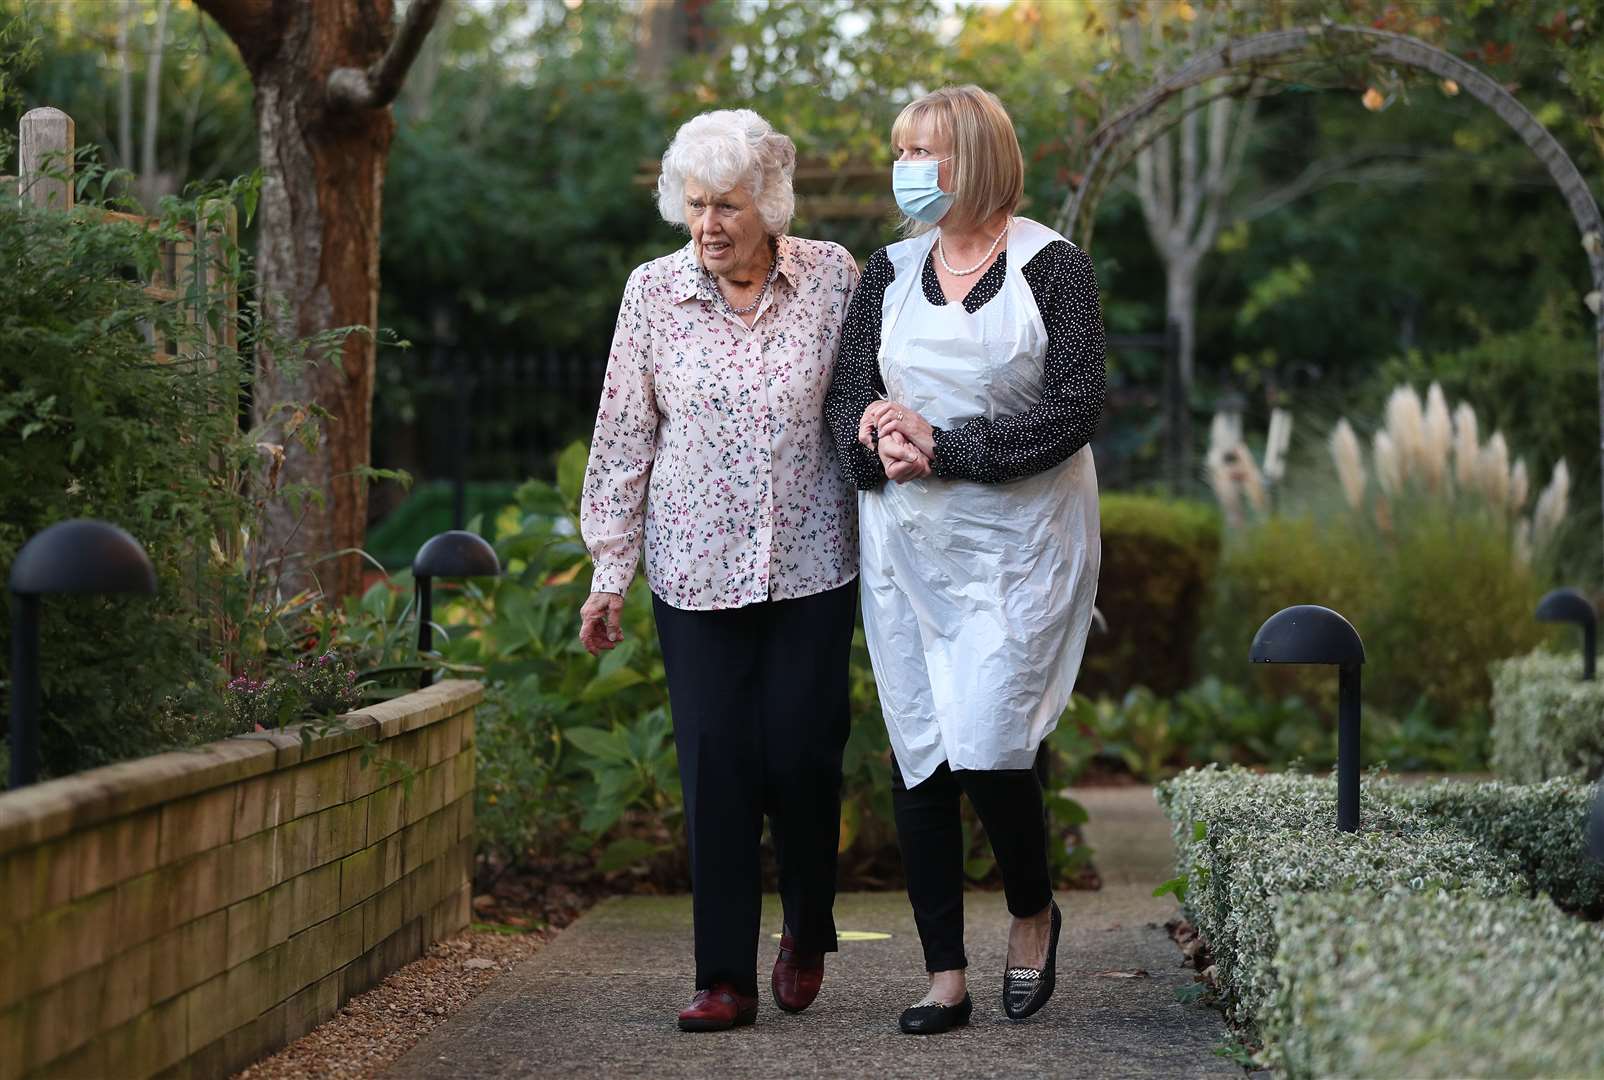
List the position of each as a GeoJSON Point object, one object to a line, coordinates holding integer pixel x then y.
{"type": "Point", "coordinates": [718, 1008]}
{"type": "Point", "coordinates": [797, 976]}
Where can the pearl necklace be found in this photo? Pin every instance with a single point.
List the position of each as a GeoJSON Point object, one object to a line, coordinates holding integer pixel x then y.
{"type": "Point", "coordinates": [774, 265]}
{"type": "Point", "coordinates": [941, 253]}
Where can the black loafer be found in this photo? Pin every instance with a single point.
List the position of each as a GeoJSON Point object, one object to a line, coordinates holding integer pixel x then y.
{"type": "Point", "coordinates": [1026, 990]}
{"type": "Point", "coordinates": [934, 1018]}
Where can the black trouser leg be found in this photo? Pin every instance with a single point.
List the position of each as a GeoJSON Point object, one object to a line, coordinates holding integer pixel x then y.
{"type": "Point", "coordinates": [759, 698]}
{"type": "Point", "coordinates": [805, 715]}
{"type": "Point", "coordinates": [930, 834]}
{"type": "Point", "coordinates": [712, 675]}
{"type": "Point", "coordinates": [1009, 802]}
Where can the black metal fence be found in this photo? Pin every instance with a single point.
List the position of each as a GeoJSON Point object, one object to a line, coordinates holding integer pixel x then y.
{"type": "Point", "coordinates": [453, 413]}
{"type": "Point", "coordinates": [464, 415]}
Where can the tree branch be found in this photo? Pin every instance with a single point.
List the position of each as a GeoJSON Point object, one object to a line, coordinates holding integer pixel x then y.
{"type": "Point", "coordinates": [377, 87]}
{"type": "Point", "coordinates": [249, 24]}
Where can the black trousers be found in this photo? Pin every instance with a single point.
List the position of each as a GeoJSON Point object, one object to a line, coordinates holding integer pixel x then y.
{"type": "Point", "coordinates": [761, 713]}
{"type": "Point", "coordinates": [930, 833]}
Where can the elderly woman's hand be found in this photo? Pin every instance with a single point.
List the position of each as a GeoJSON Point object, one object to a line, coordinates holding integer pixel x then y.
{"type": "Point", "coordinates": [901, 460]}
{"type": "Point", "coordinates": [911, 426]}
{"type": "Point", "coordinates": [599, 626]}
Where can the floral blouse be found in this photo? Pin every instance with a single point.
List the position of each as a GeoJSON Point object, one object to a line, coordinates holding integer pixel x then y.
{"type": "Point", "coordinates": [711, 447]}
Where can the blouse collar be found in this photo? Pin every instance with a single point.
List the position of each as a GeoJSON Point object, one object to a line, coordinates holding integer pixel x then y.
{"type": "Point", "coordinates": [690, 283]}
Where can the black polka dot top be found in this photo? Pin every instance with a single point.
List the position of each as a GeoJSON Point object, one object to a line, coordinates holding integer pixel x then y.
{"type": "Point", "coordinates": [1061, 278]}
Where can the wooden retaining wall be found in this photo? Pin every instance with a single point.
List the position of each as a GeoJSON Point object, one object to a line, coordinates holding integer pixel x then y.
{"type": "Point", "coordinates": [190, 912]}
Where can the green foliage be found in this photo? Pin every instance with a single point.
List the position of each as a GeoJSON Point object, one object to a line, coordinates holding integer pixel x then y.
{"type": "Point", "coordinates": [427, 512]}
{"type": "Point", "coordinates": [321, 686]}
{"type": "Point", "coordinates": [1541, 825]}
{"type": "Point", "coordinates": [1245, 842]}
{"type": "Point", "coordinates": [1437, 597]}
{"type": "Point", "coordinates": [92, 426]}
{"type": "Point", "coordinates": [1434, 985]}
{"type": "Point", "coordinates": [1547, 722]}
{"type": "Point", "coordinates": [577, 751]}
{"type": "Point", "coordinates": [1158, 559]}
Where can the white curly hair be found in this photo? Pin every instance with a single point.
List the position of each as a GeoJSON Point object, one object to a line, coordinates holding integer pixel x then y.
{"type": "Point", "coordinates": [724, 150]}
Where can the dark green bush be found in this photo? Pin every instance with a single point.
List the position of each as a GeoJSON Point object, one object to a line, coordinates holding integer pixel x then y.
{"type": "Point", "coordinates": [92, 426]}
{"type": "Point", "coordinates": [1158, 557]}
{"type": "Point", "coordinates": [1436, 597]}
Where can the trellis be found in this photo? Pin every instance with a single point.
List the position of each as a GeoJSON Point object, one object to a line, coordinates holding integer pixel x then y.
{"type": "Point", "coordinates": [1110, 148]}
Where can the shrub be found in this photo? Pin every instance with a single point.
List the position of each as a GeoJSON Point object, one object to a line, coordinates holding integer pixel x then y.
{"type": "Point", "coordinates": [1427, 635]}
{"type": "Point", "coordinates": [1248, 871]}
{"type": "Point", "coordinates": [1541, 826]}
{"type": "Point", "coordinates": [92, 426]}
{"type": "Point", "coordinates": [1546, 721]}
{"type": "Point", "coordinates": [1434, 984]}
{"type": "Point", "coordinates": [1158, 558]}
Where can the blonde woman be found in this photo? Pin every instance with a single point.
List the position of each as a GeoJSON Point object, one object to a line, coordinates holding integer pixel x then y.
{"type": "Point", "coordinates": [711, 454]}
{"type": "Point", "coordinates": [968, 385]}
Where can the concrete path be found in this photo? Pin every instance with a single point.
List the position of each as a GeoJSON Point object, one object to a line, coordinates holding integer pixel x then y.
{"type": "Point", "coordinates": [601, 999]}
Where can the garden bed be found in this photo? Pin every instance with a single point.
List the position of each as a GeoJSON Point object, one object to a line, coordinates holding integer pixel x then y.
{"type": "Point", "coordinates": [203, 907]}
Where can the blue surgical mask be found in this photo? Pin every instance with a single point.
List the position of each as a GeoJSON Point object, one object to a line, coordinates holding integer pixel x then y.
{"type": "Point", "coordinates": [918, 191]}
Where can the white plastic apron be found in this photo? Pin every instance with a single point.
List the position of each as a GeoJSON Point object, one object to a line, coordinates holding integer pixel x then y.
{"type": "Point", "coordinates": [977, 597]}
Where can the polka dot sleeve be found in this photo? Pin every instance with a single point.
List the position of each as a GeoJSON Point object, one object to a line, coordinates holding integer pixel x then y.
{"type": "Point", "coordinates": [856, 381]}
{"type": "Point", "coordinates": [1064, 284]}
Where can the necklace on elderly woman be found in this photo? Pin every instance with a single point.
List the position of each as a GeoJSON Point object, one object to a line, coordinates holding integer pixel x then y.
{"type": "Point", "coordinates": [941, 253]}
{"type": "Point", "coordinates": [774, 264]}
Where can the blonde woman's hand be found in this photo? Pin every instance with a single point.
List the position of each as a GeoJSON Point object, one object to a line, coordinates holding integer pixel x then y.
{"type": "Point", "coordinates": [599, 625]}
{"type": "Point", "coordinates": [911, 426]}
{"type": "Point", "coordinates": [874, 416]}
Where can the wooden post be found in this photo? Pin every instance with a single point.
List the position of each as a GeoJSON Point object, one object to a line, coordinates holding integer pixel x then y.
{"type": "Point", "coordinates": [45, 158]}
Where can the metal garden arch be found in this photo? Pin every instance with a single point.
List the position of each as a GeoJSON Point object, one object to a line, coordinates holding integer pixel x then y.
{"type": "Point", "coordinates": [1246, 56]}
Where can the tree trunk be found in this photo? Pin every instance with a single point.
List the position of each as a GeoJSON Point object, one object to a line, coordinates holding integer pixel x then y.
{"type": "Point", "coordinates": [323, 177]}
{"type": "Point", "coordinates": [1180, 304]}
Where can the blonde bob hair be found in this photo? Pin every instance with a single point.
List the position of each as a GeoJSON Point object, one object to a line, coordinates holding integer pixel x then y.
{"type": "Point", "coordinates": [988, 169]}
{"type": "Point", "coordinates": [724, 150]}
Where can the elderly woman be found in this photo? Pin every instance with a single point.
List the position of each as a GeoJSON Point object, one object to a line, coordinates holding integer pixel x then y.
{"type": "Point", "coordinates": [971, 377]}
{"type": "Point", "coordinates": [711, 450]}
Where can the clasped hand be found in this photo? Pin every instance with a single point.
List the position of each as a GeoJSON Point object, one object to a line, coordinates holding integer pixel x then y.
{"type": "Point", "coordinates": [906, 441]}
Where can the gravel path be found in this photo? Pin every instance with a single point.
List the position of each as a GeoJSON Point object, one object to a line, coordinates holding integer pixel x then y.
{"type": "Point", "coordinates": [374, 1029]}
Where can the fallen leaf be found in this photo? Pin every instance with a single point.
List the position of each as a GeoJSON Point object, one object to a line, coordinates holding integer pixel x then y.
{"type": "Point", "coordinates": [1134, 973]}
{"type": "Point", "coordinates": [478, 963]}
{"type": "Point", "coordinates": [1373, 100]}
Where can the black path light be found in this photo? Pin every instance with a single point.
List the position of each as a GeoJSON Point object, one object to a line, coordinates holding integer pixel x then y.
{"type": "Point", "coordinates": [454, 554]}
{"type": "Point", "coordinates": [1568, 605]}
{"type": "Point", "coordinates": [77, 556]}
{"type": "Point", "coordinates": [1310, 634]}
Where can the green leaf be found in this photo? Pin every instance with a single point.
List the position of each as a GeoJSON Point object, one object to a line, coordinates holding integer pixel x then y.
{"type": "Point", "coordinates": [1067, 812]}
{"type": "Point", "coordinates": [603, 686]}
{"type": "Point", "coordinates": [1199, 830]}
{"type": "Point", "coordinates": [571, 472]}
{"type": "Point", "coordinates": [1176, 886]}
{"type": "Point", "coordinates": [607, 745]}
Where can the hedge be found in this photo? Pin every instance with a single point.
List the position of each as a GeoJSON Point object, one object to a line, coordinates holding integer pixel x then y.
{"type": "Point", "coordinates": [1541, 826]}
{"type": "Point", "coordinates": [1547, 722]}
{"type": "Point", "coordinates": [1244, 840]}
{"type": "Point", "coordinates": [1158, 560]}
{"type": "Point", "coordinates": [1432, 984]}
{"type": "Point", "coordinates": [1245, 873]}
